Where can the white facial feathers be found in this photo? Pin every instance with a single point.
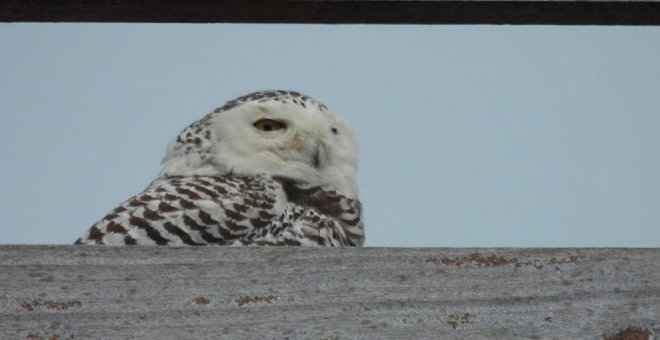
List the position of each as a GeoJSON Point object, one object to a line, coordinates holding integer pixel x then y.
{"type": "Point", "coordinates": [281, 133]}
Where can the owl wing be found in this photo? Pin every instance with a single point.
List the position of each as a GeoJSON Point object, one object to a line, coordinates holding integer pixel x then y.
{"type": "Point", "coordinates": [231, 210]}
{"type": "Point", "coordinates": [191, 210]}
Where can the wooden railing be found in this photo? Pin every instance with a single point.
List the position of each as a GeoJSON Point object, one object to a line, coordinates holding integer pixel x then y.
{"type": "Point", "coordinates": [593, 12]}
{"type": "Point", "coordinates": [102, 292]}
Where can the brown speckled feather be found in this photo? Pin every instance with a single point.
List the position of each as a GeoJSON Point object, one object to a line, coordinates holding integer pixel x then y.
{"type": "Point", "coordinates": [231, 210]}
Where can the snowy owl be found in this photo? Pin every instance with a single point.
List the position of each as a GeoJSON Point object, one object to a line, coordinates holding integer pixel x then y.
{"type": "Point", "coordinates": [267, 168]}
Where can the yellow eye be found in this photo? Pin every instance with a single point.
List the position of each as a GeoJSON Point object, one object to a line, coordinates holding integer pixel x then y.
{"type": "Point", "coordinates": [269, 125]}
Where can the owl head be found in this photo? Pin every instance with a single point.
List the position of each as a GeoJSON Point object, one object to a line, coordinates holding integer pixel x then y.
{"type": "Point", "coordinates": [280, 133]}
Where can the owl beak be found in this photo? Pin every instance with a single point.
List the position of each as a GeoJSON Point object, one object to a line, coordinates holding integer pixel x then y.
{"type": "Point", "coordinates": [316, 158]}
{"type": "Point", "coordinates": [319, 156]}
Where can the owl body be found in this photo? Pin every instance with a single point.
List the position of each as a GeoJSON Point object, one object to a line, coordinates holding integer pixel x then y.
{"type": "Point", "coordinates": [269, 168]}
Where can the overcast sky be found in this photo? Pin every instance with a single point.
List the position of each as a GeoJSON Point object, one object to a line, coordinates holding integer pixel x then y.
{"type": "Point", "coordinates": [468, 135]}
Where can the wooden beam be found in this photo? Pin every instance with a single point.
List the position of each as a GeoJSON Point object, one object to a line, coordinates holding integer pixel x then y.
{"type": "Point", "coordinates": [383, 293]}
{"type": "Point", "coordinates": [565, 12]}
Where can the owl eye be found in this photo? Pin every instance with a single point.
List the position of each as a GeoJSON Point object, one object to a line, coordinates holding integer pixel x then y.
{"type": "Point", "coordinates": [269, 125]}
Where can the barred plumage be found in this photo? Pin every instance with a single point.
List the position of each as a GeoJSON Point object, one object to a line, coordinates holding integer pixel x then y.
{"type": "Point", "coordinates": [241, 187]}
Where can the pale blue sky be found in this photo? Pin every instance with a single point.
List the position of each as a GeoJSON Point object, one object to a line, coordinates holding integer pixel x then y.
{"type": "Point", "coordinates": [468, 135]}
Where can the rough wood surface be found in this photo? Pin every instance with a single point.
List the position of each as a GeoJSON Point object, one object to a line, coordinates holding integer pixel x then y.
{"type": "Point", "coordinates": [598, 12]}
{"type": "Point", "coordinates": [62, 292]}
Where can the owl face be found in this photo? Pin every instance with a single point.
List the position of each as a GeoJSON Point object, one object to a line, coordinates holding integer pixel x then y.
{"type": "Point", "coordinates": [280, 133]}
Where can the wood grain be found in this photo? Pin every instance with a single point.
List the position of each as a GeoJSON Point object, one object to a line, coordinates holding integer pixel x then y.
{"type": "Point", "coordinates": [62, 292]}
{"type": "Point", "coordinates": [565, 12]}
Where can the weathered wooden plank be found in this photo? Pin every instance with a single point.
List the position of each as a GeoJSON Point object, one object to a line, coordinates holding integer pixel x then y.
{"type": "Point", "coordinates": [599, 12]}
{"type": "Point", "coordinates": [220, 292]}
